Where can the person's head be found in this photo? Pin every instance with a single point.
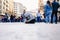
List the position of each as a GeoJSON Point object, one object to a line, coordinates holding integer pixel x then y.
{"type": "Point", "coordinates": [38, 11]}
{"type": "Point", "coordinates": [5, 13]}
{"type": "Point", "coordinates": [48, 2]}
{"type": "Point", "coordinates": [24, 11]}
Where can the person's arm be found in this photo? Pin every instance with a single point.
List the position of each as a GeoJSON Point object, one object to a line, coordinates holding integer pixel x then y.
{"type": "Point", "coordinates": [58, 5]}
{"type": "Point", "coordinates": [45, 9]}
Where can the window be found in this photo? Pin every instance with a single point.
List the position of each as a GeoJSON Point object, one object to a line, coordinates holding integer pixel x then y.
{"type": "Point", "coordinates": [6, 5]}
{"type": "Point", "coordinates": [6, 1]}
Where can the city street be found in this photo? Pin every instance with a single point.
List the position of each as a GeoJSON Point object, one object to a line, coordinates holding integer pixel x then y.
{"type": "Point", "coordinates": [37, 31]}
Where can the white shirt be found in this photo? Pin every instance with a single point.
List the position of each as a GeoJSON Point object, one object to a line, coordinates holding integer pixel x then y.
{"type": "Point", "coordinates": [38, 14]}
{"type": "Point", "coordinates": [29, 15]}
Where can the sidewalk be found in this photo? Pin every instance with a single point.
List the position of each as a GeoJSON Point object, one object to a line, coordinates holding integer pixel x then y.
{"type": "Point", "coordinates": [37, 31]}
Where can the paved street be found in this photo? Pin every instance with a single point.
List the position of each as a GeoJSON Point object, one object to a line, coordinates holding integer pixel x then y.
{"type": "Point", "coordinates": [21, 31]}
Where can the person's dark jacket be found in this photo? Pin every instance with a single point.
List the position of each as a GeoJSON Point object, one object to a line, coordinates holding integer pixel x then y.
{"type": "Point", "coordinates": [55, 6]}
{"type": "Point", "coordinates": [12, 18]}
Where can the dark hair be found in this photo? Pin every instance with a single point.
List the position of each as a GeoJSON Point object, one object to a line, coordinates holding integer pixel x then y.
{"type": "Point", "coordinates": [48, 2]}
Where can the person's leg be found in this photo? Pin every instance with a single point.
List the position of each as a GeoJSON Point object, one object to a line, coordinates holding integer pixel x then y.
{"type": "Point", "coordinates": [52, 17]}
{"type": "Point", "coordinates": [32, 21]}
{"type": "Point", "coordinates": [45, 19]}
{"type": "Point", "coordinates": [38, 19]}
{"type": "Point", "coordinates": [56, 17]}
{"type": "Point", "coordinates": [49, 18]}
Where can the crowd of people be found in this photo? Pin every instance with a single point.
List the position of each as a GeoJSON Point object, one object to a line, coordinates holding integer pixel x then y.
{"type": "Point", "coordinates": [50, 14]}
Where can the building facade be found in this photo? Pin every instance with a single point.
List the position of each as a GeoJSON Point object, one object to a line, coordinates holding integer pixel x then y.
{"type": "Point", "coordinates": [6, 6]}
{"type": "Point", "coordinates": [41, 7]}
{"type": "Point", "coordinates": [18, 8]}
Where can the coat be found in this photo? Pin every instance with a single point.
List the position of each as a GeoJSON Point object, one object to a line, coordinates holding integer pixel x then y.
{"type": "Point", "coordinates": [47, 10]}
{"type": "Point", "coordinates": [55, 6]}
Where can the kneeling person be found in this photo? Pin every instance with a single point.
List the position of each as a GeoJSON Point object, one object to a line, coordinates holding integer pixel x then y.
{"type": "Point", "coordinates": [29, 18]}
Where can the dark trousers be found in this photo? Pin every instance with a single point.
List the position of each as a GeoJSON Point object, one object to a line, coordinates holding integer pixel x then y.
{"type": "Point", "coordinates": [32, 21]}
{"type": "Point", "coordinates": [38, 19]}
{"type": "Point", "coordinates": [54, 13]}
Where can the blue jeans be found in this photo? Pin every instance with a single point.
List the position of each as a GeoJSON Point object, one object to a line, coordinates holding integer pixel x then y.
{"type": "Point", "coordinates": [48, 18]}
{"type": "Point", "coordinates": [38, 19]}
